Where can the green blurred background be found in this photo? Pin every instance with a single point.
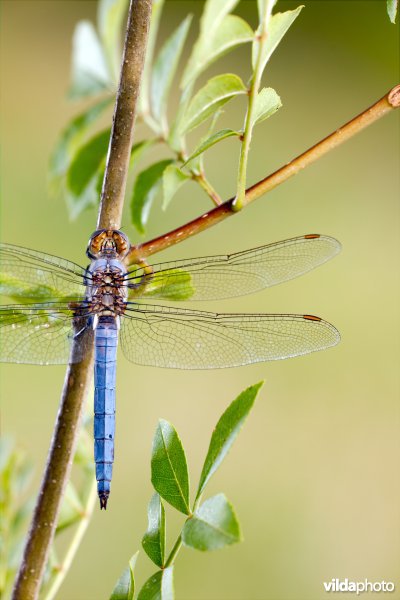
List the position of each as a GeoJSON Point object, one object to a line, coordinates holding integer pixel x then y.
{"type": "Point", "coordinates": [314, 475]}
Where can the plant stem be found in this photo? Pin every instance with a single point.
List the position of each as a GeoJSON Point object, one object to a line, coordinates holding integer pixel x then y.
{"type": "Point", "coordinates": [79, 374]}
{"type": "Point", "coordinates": [75, 543]}
{"type": "Point", "coordinates": [385, 105]}
{"type": "Point", "coordinates": [177, 546]}
{"type": "Point", "coordinates": [249, 121]}
{"type": "Point", "coordinates": [207, 187]}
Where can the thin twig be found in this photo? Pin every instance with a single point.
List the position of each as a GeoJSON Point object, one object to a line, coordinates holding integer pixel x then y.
{"type": "Point", "coordinates": [390, 101]}
{"type": "Point", "coordinates": [79, 374]}
{"type": "Point", "coordinates": [262, 33]}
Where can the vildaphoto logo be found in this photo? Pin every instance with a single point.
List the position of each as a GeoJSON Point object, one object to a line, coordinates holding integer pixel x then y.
{"type": "Point", "coordinates": [358, 587]}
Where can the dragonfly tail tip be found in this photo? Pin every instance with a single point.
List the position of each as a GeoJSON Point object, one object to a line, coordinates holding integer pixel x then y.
{"type": "Point", "coordinates": [103, 501]}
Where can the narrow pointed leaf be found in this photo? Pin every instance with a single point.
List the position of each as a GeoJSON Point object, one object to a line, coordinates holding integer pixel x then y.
{"type": "Point", "coordinates": [213, 525]}
{"type": "Point", "coordinates": [85, 174]}
{"type": "Point", "coordinates": [231, 32]}
{"type": "Point", "coordinates": [164, 70]}
{"type": "Point", "coordinates": [125, 587]}
{"type": "Point", "coordinates": [110, 15]}
{"type": "Point", "coordinates": [145, 188]}
{"type": "Point", "coordinates": [153, 541]}
{"type": "Point", "coordinates": [173, 179]}
{"type": "Point", "coordinates": [144, 98]}
{"type": "Point", "coordinates": [169, 473]}
{"type": "Point", "coordinates": [278, 26]}
{"type": "Point", "coordinates": [24, 293]}
{"type": "Point", "coordinates": [392, 7]}
{"type": "Point", "coordinates": [68, 143]}
{"type": "Point", "coordinates": [90, 73]}
{"type": "Point", "coordinates": [211, 141]}
{"type": "Point", "coordinates": [266, 104]}
{"type": "Point", "coordinates": [226, 432]}
{"type": "Point", "coordinates": [86, 162]}
{"type": "Point", "coordinates": [210, 98]}
{"type": "Point", "coordinates": [159, 586]}
{"type": "Point", "coordinates": [213, 14]}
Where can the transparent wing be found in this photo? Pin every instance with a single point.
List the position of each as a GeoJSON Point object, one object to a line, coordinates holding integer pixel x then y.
{"type": "Point", "coordinates": [177, 338]}
{"type": "Point", "coordinates": [217, 277]}
{"type": "Point", "coordinates": [39, 334]}
{"type": "Point", "coordinates": [27, 274]}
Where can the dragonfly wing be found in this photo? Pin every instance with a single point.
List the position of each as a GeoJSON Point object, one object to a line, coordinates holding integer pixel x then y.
{"type": "Point", "coordinates": [163, 336]}
{"type": "Point", "coordinates": [35, 276]}
{"type": "Point", "coordinates": [39, 334]}
{"type": "Point", "coordinates": [218, 277]}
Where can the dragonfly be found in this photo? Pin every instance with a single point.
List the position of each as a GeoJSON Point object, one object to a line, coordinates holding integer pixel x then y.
{"type": "Point", "coordinates": [57, 299]}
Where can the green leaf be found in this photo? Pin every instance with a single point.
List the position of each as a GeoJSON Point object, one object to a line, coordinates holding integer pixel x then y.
{"type": "Point", "coordinates": [68, 143]}
{"type": "Point", "coordinates": [125, 587]}
{"type": "Point", "coordinates": [159, 586]}
{"type": "Point", "coordinates": [85, 174]}
{"type": "Point", "coordinates": [173, 179]}
{"type": "Point", "coordinates": [164, 70]}
{"type": "Point", "coordinates": [156, 10]}
{"type": "Point", "coordinates": [226, 432]}
{"type": "Point", "coordinates": [278, 26]}
{"type": "Point", "coordinates": [21, 319]}
{"type": "Point", "coordinates": [173, 284]}
{"type": "Point", "coordinates": [213, 525]}
{"type": "Point", "coordinates": [87, 162]}
{"type": "Point", "coordinates": [71, 508]}
{"type": "Point", "coordinates": [232, 32]}
{"type": "Point", "coordinates": [392, 7]}
{"type": "Point", "coordinates": [217, 92]}
{"type": "Point", "coordinates": [146, 186]}
{"type": "Point", "coordinates": [23, 292]}
{"type": "Point", "coordinates": [266, 104]}
{"type": "Point", "coordinates": [213, 14]}
{"type": "Point", "coordinates": [211, 141]}
{"type": "Point", "coordinates": [219, 33]}
{"type": "Point", "coordinates": [110, 15]}
{"type": "Point", "coordinates": [169, 473]}
{"type": "Point", "coordinates": [153, 541]}
{"type": "Point", "coordinates": [90, 73]}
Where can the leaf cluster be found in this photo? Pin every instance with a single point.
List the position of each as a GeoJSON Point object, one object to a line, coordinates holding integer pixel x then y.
{"type": "Point", "coordinates": [208, 525]}
{"type": "Point", "coordinates": [77, 165]}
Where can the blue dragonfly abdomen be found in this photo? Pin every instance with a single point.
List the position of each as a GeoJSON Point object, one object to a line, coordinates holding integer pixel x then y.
{"type": "Point", "coordinates": [106, 293]}
{"type": "Point", "coordinates": [105, 357]}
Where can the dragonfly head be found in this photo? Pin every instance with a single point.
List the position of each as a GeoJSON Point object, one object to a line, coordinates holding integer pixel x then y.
{"type": "Point", "coordinates": [108, 242]}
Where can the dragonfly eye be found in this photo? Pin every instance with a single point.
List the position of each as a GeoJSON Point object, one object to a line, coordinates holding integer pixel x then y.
{"type": "Point", "coordinates": [108, 242]}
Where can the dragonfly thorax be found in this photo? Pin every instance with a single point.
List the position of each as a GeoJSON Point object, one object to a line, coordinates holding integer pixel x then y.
{"type": "Point", "coordinates": [106, 287]}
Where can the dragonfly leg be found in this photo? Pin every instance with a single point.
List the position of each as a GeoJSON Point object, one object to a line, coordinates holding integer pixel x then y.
{"type": "Point", "coordinates": [135, 289]}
